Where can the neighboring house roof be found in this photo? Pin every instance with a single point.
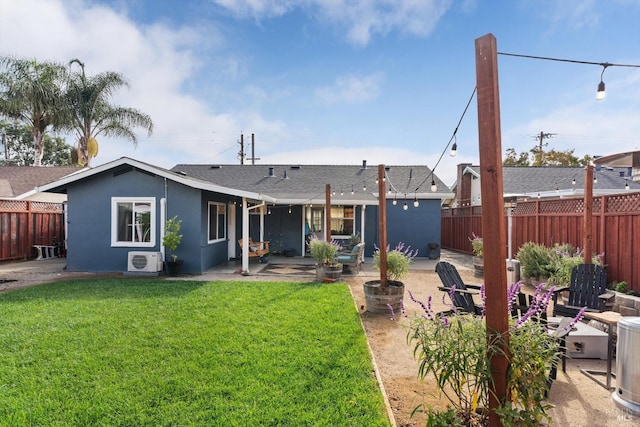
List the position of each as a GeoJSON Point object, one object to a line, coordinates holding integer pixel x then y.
{"type": "Point", "coordinates": [302, 184]}
{"type": "Point", "coordinates": [551, 180]}
{"type": "Point", "coordinates": [307, 183]}
{"type": "Point", "coordinates": [20, 182]}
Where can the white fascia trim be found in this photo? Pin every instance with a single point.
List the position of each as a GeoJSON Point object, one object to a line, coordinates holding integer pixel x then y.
{"type": "Point", "coordinates": [189, 182]}
{"type": "Point", "coordinates": [469, 169]}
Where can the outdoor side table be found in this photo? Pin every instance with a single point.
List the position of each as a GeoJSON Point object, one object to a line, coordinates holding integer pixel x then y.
{"type": "Point", "coordinates": [610, 318]}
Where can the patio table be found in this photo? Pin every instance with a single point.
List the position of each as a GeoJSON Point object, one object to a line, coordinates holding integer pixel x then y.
{"type": "Point", "coordinates": [610, 318]}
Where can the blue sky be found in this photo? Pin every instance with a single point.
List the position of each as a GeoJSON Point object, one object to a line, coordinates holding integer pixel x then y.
{"type": "Point", "coordinates": [338, 82]}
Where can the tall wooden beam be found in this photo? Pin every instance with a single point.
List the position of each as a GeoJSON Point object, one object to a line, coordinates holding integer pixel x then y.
{"type": "Point", "coordinates": [588, 214]}
{"type": "Point", "coordinates": [493, 223]}
{"type": "Point", "coordinates": [382, 208]}
{"type": "Point", "coordinates": [327, 208]}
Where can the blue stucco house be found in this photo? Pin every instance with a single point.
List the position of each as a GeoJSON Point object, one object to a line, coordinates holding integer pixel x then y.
{"type": "Point", "coordinates": [119, 208]}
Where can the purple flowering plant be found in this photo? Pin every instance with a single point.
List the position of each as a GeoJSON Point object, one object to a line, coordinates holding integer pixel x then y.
{"type": "Point", "coordinates": [453, 348]}
{"type": "Point", "coordinates": [398, 260]}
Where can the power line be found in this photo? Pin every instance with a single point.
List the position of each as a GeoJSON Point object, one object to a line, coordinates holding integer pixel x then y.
{"type": "Point", "coordinates": [575, 61]}
{"type": "Point", "coordinates": [450, 139]}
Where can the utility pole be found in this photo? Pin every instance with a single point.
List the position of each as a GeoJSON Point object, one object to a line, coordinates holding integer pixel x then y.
{"type": "Point", "coordinates": [241, 153]}
{"type": "Point", "coordinates": [541, 143]}
{"type": "Point", "coordinates": [253, 150]}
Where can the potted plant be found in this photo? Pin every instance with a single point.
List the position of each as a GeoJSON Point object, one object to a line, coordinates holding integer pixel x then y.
{"type": "Point", "coordinates": [455, 351]}
{"type": "Point", "coordinates": [327, 268]}
{"type": "Point", "coordinates": [535, 263]}
{"type": "Point", "coordinates": [478, 254]}
{"type": "Point", "coordinates": [170, 241]}
{"type": "Point", "coordinates": [379, 298]}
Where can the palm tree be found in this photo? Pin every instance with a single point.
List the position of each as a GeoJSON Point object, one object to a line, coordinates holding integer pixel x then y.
{"type": "Point", "coordinates": [89, 113]}
{"type": "Point", "coordinates": [30, 92]}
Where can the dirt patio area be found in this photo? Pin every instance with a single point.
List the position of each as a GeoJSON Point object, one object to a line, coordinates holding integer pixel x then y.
{"type": "Point", "coordinates": [577, 399]}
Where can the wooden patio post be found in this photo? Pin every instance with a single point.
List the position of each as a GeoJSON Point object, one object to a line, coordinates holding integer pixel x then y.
{"type": "Point", "coordinates": [588, 213]}
{"type": "Point", "coordinates": [493, 223]}
{"type": "Point", "coordinates": [327, 208]}
{"type": "Point", "coordinates": [382, 208]}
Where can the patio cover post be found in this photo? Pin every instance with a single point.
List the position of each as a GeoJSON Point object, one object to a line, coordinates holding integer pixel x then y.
{"type": "Point", "coordinates": [327, 209]}
{"type": "Point", "coordinates": [588, 213]}
{"type": "Point", "coordinates": [245, 235]}
{"type": "Point", "coordinates": [493, 223]}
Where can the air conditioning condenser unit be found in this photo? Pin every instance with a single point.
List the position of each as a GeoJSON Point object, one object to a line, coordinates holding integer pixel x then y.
{"type": "Point", "coordinates": [146, 262]}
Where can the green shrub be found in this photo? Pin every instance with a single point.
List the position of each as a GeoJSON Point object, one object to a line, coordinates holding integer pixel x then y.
{"type": "Point", "coordinates": [535, 260]}
{"type": "Point", "coordinates": [621, 287]}
{"type": "Point", "coordinates": [398, 261]}
{"type": "Point", "coordinates": [322, 251]}
{"type": "Point", "coordinates": [456, 352]}
{"type": "Point", "coordinates": [477, 245]}
{"type": "Point", "coordinates": [172, 238]}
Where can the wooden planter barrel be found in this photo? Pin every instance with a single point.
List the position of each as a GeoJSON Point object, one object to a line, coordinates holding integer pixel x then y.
{"type": "Point", "coordinates": [377, 297]}
{"type": "Point", "coordinates": [478, 266]}
{"type": "Point", "coordinates": [331, 273]}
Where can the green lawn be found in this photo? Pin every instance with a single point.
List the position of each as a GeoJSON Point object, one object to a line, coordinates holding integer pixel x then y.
{"type": "Point", "coordinates": [150, 352]}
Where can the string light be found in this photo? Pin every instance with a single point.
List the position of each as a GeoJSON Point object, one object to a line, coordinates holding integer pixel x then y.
{"type": "Point", "coordinates": [415, 202]}
{"type": "Point", "coordinates": [434, 187]}
{"type": "Point", "coordinates": [600, 94]}
{"type": "Point", "coordinates": [626, 185]}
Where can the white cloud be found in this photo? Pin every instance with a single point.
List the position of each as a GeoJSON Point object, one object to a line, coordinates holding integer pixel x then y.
{"type": "Point", "coordinates": [159, 62]}
{"type": "Point", "coordinates": [351, 89]}
{"type": "Point", "coordinates": [256, 9]}
{"type": "Point", "coordinates": [361, 19]}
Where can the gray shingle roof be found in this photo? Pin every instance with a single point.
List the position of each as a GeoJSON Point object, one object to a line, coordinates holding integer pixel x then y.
{"type": "Point", "coordinates": [17, 180]}
{"type": "Point", "coordinates": [309, 181]}
{"type": "Point", "coordinates": [527, 180]}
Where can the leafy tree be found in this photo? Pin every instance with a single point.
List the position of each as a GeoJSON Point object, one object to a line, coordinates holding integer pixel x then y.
{"type": "Point", "coordinates": [19, 147]}
{"type": "Point", "coordinates": [31, 93]}
{"type": "Point", "coordinates": [539, 157]}
{"type": "Point", "coordinates": [88, 112]}
{"type": "Point", "coordinates": [514, 159]}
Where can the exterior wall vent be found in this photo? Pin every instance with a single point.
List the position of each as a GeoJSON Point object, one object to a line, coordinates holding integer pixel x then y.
{"type": "Point", "coordinates": [216, 166]}
{"type": "Point", "coordinates": [295, 167]}
{"type": "Point", "coordinates": [271, 174]}
{"type": "Point", "coordinates": [364, 164]}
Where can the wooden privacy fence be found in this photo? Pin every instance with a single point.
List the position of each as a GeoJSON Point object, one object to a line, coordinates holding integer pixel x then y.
{"type": "Point", "coordinates": [615, 229]}
{"type": "Point", "coordinates": [26, 223]}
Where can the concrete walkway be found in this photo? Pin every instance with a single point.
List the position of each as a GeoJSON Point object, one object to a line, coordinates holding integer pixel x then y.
{"type": "Point", "coordinates": [260, 270]}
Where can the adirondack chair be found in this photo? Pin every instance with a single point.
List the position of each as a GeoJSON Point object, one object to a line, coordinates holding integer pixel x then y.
{"type": "Point", "coordinates": [353, 258]}
{"type": "Point", "coordinates": [462, 298]}
{"type": "Point", "coordinates": [588, 288]}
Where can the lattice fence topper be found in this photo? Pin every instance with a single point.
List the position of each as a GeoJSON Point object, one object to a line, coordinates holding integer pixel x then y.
{"type": "Point", "coordinates": [23, 206]}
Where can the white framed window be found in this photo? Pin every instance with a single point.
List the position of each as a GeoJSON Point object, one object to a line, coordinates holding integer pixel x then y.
{"type": "Point", "coordinates": [342, 220]}
{"type": "Point", "coordinates": [217, 222]}
{"type": "Point", "coordinates": [133, 221]}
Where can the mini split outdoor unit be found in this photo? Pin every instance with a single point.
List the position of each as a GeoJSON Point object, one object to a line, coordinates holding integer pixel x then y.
{"type": "Point", "coordinates": [147, 262]}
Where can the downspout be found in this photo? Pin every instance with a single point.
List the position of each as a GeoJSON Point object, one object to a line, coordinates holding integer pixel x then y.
{"type": "Point", "coordinates": [163, 218]}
